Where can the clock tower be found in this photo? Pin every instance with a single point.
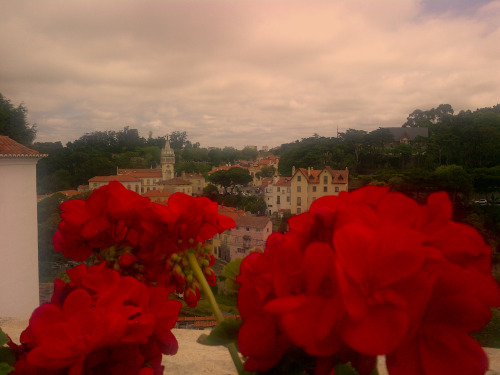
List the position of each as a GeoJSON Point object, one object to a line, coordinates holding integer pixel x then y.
{"type": "Point", "coordinates": [167, 161]}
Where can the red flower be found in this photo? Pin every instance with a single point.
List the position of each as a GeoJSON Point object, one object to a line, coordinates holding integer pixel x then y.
{"type": "Point", "coordinates": [367, 273]}
{"type": "Point", "coordinates": [441, 343]}
{"type": "Point", "coordinates": [101, 320]}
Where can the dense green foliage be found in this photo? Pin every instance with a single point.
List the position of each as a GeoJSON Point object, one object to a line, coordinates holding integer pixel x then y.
{"type": "Point", "coordinates": [468, 139]}
{"type": "Point", "coordinates": [14, 122]}
{"type": "Point", "coordinates": [230, 178]}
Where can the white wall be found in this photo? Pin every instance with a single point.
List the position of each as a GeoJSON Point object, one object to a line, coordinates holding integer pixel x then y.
{"type": "Point", "coordinates": [19, 294]}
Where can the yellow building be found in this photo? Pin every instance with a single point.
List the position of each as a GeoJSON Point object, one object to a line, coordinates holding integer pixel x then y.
{"type": "Point", "coordinates": [130, 182]}
{"type": "Point", "coordinates": [178, 185]}
{"type": "Point", "coordinates": [309, 184]}
{"type": "Point", "coordinates": [198, 182]}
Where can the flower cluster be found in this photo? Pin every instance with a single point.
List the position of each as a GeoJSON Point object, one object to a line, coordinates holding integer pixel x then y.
{"type": "Point", "coordinates": [370, 273]}
{"type": "Point", "coordinates": [99, 323]}
{"type": "Point", "coordinates": [143, 239]}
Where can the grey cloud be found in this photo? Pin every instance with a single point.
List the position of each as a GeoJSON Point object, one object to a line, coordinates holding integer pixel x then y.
{"type": "Point", "coordinates": [235, 73]}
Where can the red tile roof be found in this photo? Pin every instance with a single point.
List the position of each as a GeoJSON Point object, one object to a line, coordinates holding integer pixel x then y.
{"type": "Point", "coordinates": [69, 193]}
{"type": "Point", "coordinates": [283, 181]}
{"type": "Point", "coordinates": [252, 221]}
{"type": "Point", "coordinates": [339, 176]}
{"type": "Point", "coordinates": [11, 149]}
{"type": "Point", "coordinates": [232, 212]}
{"type": "Point", "coordinates": [312, 175]}
{"type": "Point", "coordinates": [121, 178]}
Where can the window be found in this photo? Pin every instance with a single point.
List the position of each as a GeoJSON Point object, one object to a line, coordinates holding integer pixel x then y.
{"type": "Point", "coordinates": [299, 178]}
{"type": "Point", "coordinates": [314, 189]}
{"type": "Point", "coordinates": [148, 182]}
{"type": "Point", "coordinates": [248, 229]}
{"type": "Point", "coordinates": [337, 189]}
{"type": "Point", "coordinates": [299, 210]}
{"type": "Point", "coordinates": [299, 201]}
{"type": "Point", "coordinates": [288, 199]}
{"type": "Point", "coordinates": [128, 187]}
{"type": "Point", "coordinates": [267, 230]}
{"type": "Point", "coordinates": [278, 189]}
{"type": "Point", "coordinates": [298, 189]}
{"type": "Point", "coordinates": [325, 189]}
{"type": "Point", "coordinates": [325, 179]}
{"type": "Point", "coordinates": [278, 200]}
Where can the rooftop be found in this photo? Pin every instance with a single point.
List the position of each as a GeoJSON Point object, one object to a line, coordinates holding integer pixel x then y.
{"type": "Point", "coordinates": [120, 178]}
{"type": "Point", "coordinates": [252, 221]}
{"type": "Point", "coordinates": [12, 149]}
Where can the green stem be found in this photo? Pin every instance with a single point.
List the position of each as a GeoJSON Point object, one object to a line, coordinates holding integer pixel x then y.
{"type": "Point", "coordinates": [198, 273]}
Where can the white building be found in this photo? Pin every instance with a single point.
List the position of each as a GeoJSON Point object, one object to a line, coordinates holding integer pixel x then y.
{"type": "Point", "coordinates": [19, 284]}
{"type": "Point", "coordinates": [278, 195]}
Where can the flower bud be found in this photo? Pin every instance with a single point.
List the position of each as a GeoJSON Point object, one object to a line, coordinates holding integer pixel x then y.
{"type": "Point", "coordinates": [190, 297]}
{"type": "Point", "coordinates": [210, 275]}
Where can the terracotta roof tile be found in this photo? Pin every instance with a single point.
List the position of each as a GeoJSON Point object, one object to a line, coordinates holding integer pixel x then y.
{"type": "Point", "coordinates": [121, 178]}
{"type": "Point", "coordinates": [283, 181]}
{"type": "Point", "coordinates": [251, 221]}
{"type": "Point", "coordinates": [232, 212]}
{"type": "Point", "coordinates": [11, 149]}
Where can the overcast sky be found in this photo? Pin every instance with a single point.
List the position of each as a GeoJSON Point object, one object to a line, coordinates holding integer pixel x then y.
{"type": "Point", "coordinates": [236, 73]}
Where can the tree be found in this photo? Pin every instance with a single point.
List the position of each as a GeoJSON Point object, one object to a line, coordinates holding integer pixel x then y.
{"type": "Point", "coordinates": [454, 179]}
{"type": "Point", "coordinates": [266, 172]}
{"type": "Point", "coordinates": [230, 178]}
{"type": "Point", "coordinates": [254, 204]}
{"type": "Point", "coordinates": [14, 123]}
{"type": "Point", "coordinates": [178, 139]}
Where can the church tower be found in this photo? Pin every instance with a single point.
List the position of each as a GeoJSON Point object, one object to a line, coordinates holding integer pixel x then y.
{"type": "Point", "coordinates": [167, 161]}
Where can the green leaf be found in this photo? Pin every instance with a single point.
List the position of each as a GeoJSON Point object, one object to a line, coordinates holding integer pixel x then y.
{"type": "Point", "coordinates": [7, 356]}
{"type": "Point", "coordinates": [3, 338]}
{"type": "Point", "coordinates": [5, 368]}
{"type": "Point", "coordinates": [230, 272]}
{"type": "Point", "coordinates": [225, 333]}
{"type": "Point", "coordinates": [345, 369]}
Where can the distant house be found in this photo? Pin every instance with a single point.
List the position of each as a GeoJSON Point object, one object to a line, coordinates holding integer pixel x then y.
{"type": "Point", "coordinates": [178, 185]}
{"type": "Point", "coordinates": [407, 135]}
{"type": "Point", "coordinates": [251, 232]}
{"type": "Point", "coordinates": [18, 229]}
{"type": "Point", "coordinates": [198, 182]}
{"type": "Point", "coordinates": [278, 195]}
{"type": "Point", "coordinates": [309, 184]}
{"type": "Point", "coordinates": [221, 242]}
{"type": "Point", "coordinates": [130, 182]}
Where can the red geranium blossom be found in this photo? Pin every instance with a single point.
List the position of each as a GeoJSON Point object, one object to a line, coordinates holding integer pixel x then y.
{"type": "Point", "coordinates": [368, 273]}
{"type": "Point", "coordinates": [143, 239]}
{"type": "Point", "coordinates": [100, 322]}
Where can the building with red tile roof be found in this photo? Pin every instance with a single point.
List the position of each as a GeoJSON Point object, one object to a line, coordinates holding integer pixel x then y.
{"type": "Point", "coordinates": [308, 184]}
{"type": "Point", "coordinates": [18, 228]}
{"type": "Point", "coordinates": [278, 195]}
{"type": "Point", "coordinates": [251, 232]}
